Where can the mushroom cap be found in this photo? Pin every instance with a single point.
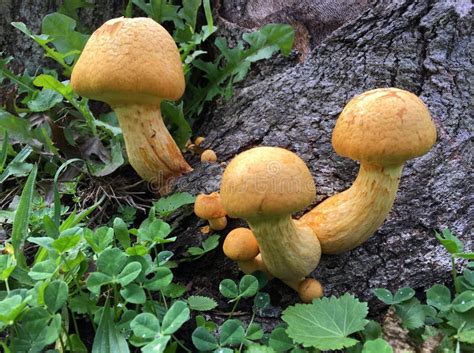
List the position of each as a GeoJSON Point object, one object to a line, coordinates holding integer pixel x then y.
{"type": "Point", "coordinates": [310, 289]}
{"type": "Point", "coordinates": [266, 181]}
{"type": "Point", "coordinates": [209, 206]}
{"type": "Point", "coordinates": [241, 245]}
{"type": "Point", "coordinates": [208, 156]}
{"type": "Point", "coordinates": [384, 126]}
{"type": "Point", "coordinates": [127, 61]}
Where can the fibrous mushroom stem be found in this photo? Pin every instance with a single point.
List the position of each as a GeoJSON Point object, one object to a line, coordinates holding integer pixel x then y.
{"type": "Point", "coordinates": [349, 218]}
{"type": "Point", "coordinates": [151, 150]}
{"type": "Point", "coordinates": [290, 251]}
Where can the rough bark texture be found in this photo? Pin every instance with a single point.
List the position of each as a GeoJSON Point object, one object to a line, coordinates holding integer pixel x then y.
{"type": "Point", "coordinates": [423, 46]}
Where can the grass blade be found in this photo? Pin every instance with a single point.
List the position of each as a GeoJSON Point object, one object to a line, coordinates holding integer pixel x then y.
{"type": "Point", "coordinates": [22, 217]}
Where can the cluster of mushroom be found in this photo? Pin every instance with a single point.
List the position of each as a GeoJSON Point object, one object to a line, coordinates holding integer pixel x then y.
{"type": "Point", "coordinates": [133, 64]}
{"type": "Point", "coordinates": [381, 129]}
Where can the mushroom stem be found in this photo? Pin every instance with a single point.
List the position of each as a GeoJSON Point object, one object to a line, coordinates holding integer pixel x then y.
{"type": "Point", "coordinates": [289, 250]}
{"type": "Point", "coordinates": [349, 218]}
{"type": "Point", "coordinates": [151, 150]}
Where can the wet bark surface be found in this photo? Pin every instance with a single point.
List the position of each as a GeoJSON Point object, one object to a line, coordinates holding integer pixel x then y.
{"type": "Point", "coordinates": [424, 46]}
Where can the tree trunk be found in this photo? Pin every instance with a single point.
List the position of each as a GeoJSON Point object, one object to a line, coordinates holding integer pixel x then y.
{"type": "Point", "coordinates": [422, 46]}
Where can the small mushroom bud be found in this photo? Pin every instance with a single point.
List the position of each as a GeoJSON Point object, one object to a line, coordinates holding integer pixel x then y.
{"type": "Point", "coordinates": [381, 129]}
{"type": "Point", "coordinates": [241, 246]}
{"type": "Point", "coordinates": [209, 207]}
{"type": "Point", "coordinates": [199, 140]}
{"type": "Point", "coordinates": [208, 156]}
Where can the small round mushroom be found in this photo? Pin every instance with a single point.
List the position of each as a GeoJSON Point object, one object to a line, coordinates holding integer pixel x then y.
{"type": "Point", "coordinates": [310, 289]}
{"type": "Point", "coordinates": [133, 64]}
{"type": "Point", "coordinates": [241, 246]}
{"type": "Point", "coordinates": [209, 207]}
{"type": "Point", "coordinates": [199, 140]}
{"type": "Point", "coordinates": [209, 156]}
{"type": "Point", "coordinates": [265, 186]}
{"type": "Point", "coordinates": [381, 129]}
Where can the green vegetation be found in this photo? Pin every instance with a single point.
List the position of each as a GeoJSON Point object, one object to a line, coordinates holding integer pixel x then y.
{"type": "Point", "coordinates": [72, 282]}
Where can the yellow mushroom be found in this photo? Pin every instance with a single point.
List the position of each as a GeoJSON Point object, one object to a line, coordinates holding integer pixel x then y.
{"type": "Point", "coordinates": [209, 207]}
{"type": "Point", "coordinates": [133, 64]}
{"type": "Point", "coordinates": [208, 156]}
{"type": "Point", "coordinates": [241, 246]}
{"type": "Point", "coordinates": [265, 186]}
{"type": "Point", "coordinates": [381, 129]}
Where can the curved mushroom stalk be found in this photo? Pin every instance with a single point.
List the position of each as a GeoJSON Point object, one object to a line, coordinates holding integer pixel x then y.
{"type": "Point", "coordinates": [151, 150]}
{"type": "Point", "coordinates": [253, 265]}
{"type": "Point", "coordinates": [382, 129]}
{"type": "Point", "coordinates": [346, 220]}
{"type": "Point", "coordinates": [289, 250]}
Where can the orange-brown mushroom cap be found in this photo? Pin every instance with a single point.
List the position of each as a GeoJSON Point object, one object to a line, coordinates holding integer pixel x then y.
{"type": "Point", "coordinates": [266, 181]}
{"type": "Point", "coordinates": [209, 206]}
{"type": "Point", "coordinates": [240, 245]}
{"type": "Point", "coordinates": [384, 126]}
{"type": "Point", "coordinates": [310, 289]}
{"type": "Point", "coordinates": [129, 60]}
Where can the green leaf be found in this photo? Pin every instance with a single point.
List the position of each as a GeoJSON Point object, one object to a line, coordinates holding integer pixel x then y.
{"type": "Point", "coordinates": [158, 345]}
{"type": "Point", "coordinates": [377, 346]}
{"type": "Point", "coordinates": [10, 308]}
{"type": "Point", "coordinates": [44, 100]}
{"type": "Point", "coordinates": [228, 289]}
{"type": "Point", "coordinates": [162, 279]}
{"type": "Point", "coordinates": [97, 280]}
{"type": "Point", "coordinates": [450, 242]}
{"type": "Point", "coordinates": [100, 239]}
{"type": "Point", "coordinates": [43, 270]}
{"type": "Point", "coordinates": [129, 273]}
{"type": "Point", "coordinates": [466, 336]}
{"type": "Point", "coordinates": [111, 261]}
{"type": "Point", "coordinates": [179, 126]}
{"type": "Point", "coordinates": [280, 341]}
{"type": "Point", "coordinates": [439, 297]}
{"type": "Point", "coordinates": [66, 242]}
{"type": "Point", "coordinates": [203, 340]}
{"type": "Point", "coordinates": [327, 322]}
{"type": "Point", "coordinates": [107, 338]}
{"type": "Point", "coordinates": [232, 333]}
{"type": "Point", "coordinates": [254, 332]}
{"type": "Point", "coordinates": [412, 314]}
{"type": "Point", "coordinates": [55, 295]}
{"type": "Point", "coordinates": [403, 295]}
{"type": "Point", "coordinates": [50, 82]}
{"type": "Point", "coordinates": [175, 317]}
{"type": "Point", "coordinates": [256, 348]}
{"type": "Point", "coordinates": [248, 286]}
{"type": "Point", "coordinates": [60, 28]}
{"type": "Point", "coordinates": [145, 326]}
{"type": "Point", "coordinates": [165, 206]}
{"type": "Point", "coordinates": [261, 301]}
{"type": "Point", "coordinates": [22, 217]}
{"type": "Point", "coordinates": [384, 295]}
{"type": "Point", "coordinates": [207, 245]}
{"type": "Point", "coordinates": [121, 233]}
{"type": "Point", "coordinates": [200, 303]}
{"type": "Point", "coordinates": [464, 301]}
{"type": "Point", "coordinates": [4, 150]}
{"type": "Point", "coordinates": [134, 294]}
{"type": "Point", "coordinates": [372, 330]}
{"type": "Point", "coordinates": [16, 166]}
